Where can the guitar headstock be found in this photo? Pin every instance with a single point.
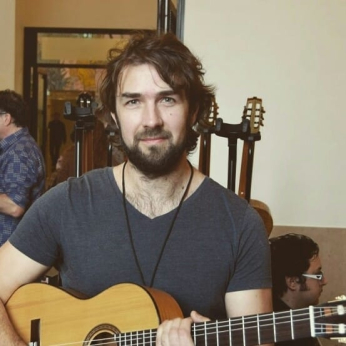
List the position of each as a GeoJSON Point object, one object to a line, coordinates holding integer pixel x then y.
{"type": "Point", "coordinates": [209, 120]}
{"type": "Point", "coordinates": [254, 112]}
{"type": "Point", "coordinates": [330, 320]}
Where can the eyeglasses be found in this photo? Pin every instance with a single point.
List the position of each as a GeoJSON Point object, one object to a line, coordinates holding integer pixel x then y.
{"type": "Point", "coordinates": [314, 276]}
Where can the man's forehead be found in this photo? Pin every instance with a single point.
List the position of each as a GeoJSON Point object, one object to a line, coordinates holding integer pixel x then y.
{"type": "Point", "coordinates": [144, 79]}
{"type": "Point", "coordinates": [133, 73]}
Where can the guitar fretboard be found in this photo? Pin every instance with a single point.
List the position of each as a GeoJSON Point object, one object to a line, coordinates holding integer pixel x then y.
{"type": "Point", "coordinates": [251, 330]}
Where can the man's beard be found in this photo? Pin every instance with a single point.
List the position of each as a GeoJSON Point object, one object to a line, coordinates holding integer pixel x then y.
{"type": "Point", "coordinates": [304, 287]}
{"type": "Point", "coordinates": [159, 161]}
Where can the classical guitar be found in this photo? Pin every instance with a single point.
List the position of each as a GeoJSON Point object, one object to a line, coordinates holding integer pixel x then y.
{"type": "Point", "coordinates": [128, 314]}
{"type": "Point", "coordinates": [253, 111]}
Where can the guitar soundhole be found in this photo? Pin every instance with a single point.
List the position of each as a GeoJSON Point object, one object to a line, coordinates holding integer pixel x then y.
{"type": "Point", "coordinates": [103, 334]}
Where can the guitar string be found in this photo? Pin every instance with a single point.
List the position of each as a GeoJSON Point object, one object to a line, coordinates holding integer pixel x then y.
{"type": "Point", "coordinates": [210, 326]}
{"type": "Point", "coordinates": [143, 340]}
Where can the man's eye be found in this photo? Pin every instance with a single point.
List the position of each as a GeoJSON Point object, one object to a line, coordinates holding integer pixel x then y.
{"type": "Point", "coordinates": [168, 100]}
{"type": "Point", "coordinates": [131, 102]}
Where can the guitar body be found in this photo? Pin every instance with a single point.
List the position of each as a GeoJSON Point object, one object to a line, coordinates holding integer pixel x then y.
{"type": "Point", "coordinates": [265, 214]}
{"type": "Point", "coordinates": [63, 318]}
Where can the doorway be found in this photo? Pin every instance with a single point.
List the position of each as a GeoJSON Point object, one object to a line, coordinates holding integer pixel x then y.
{"type": "Point", "coordinates": [59, 64]}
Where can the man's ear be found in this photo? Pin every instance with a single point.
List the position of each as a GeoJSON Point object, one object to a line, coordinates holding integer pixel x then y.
{"type": "Point", "coordinates": [8, 119]}
{"type": "Point", "coordinates": [292, 282]}
{"type": "Point", "coordinates": [193, 119]}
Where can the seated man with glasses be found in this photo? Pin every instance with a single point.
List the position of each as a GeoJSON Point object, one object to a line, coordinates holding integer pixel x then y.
{"type": "Point", "coordinates": [297, 276]}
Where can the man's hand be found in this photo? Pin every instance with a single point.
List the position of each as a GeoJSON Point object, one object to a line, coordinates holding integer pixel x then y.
{"type": "Point", "coordinates": [178, 331]}
{"type": "Point", "coordinates": [8, 207]}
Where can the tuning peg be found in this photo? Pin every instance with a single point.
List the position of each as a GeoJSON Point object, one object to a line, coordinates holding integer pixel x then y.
{"type": "Point", "coordinates": [339, 340]}
{"type": "Point", "coordinates": [342, 297]}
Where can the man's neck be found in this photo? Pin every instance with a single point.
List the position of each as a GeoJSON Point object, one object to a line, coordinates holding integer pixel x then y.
{"type": "Point", "coordinates": [291, 300]}
{"type": "Point", "coordinates": [155, 197]}
{"type": "Point", "coordinates": [10, 130]}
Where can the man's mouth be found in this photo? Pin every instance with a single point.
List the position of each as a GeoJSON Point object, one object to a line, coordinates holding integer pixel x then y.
{"type": "Point", "coordinates": [153, 140]}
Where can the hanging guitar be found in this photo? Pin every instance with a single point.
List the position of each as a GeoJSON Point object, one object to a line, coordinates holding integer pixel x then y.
{"type": "Point", "coordinates": [253, 111]}
{"type": "Point", "coordinates": [128, 314]}
{"type": "Point", "coordinates": [205, 127]}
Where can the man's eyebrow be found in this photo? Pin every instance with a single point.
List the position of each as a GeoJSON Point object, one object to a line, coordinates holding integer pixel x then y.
{"type": "Point", "coordinates": [130, 95]}
{"type": "Point", "coordinates": [168, 92]}
{"type": "Point", "coordinates": [318, 270]}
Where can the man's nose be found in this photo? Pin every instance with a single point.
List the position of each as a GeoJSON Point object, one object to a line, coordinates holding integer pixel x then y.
{"type": "Point", "coordinates": [152, 116]}
{"type": "Point", "coordinates": [324, 281]}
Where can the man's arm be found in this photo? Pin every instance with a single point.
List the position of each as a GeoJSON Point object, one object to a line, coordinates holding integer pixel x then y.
{"type": "Point", "coordinates": [249, 302]}
{"type": "Point", "coordinates": [8, 207]}
{"type": "Point", "coordinates": [178, 331]}
{"type": "Point", "coordinates": [16, 269]}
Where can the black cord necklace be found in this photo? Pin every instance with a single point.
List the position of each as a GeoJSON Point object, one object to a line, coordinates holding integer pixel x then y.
{"type": "Point", "coordinates": [169, 231]}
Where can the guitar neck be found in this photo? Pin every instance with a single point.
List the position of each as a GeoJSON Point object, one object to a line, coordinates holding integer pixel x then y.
{"type": "Point", "coordinates": [204, 154]}
{"type": "Point", "coordinates": [253, 111]}
{"type": "Point", "coordinates": [245, 178]}
{"type": "Point", "coordinates": [252, 330]}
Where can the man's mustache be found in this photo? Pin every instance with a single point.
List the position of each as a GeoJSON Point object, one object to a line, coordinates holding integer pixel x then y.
{"type": "Point", "coordinates": [153, 133]}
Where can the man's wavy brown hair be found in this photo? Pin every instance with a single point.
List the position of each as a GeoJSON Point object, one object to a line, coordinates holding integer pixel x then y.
{"type": "Point", "coordinates": [175, 64]}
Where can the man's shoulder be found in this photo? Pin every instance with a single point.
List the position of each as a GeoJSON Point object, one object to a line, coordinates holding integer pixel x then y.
{"type": "Point", "coordinates": [21, 146]}
{"type": "Point", "coordinates": [87, 188]}
{"type": "Point", "coordinates": [27, 148]}
{"type": "Point", "coordinates": [24, 141]}
{"type": "Point", "coordinates": [210, 186]}
{"type": "Point", "coordinates": [97, 177]}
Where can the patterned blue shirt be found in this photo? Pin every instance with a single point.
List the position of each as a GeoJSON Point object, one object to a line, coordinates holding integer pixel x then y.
{"type": "Point", "coordinates": [22, 175]}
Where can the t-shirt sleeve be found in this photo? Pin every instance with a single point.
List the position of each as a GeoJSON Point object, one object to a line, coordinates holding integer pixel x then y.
{"type": "Point", "coordinates": [252, 268]}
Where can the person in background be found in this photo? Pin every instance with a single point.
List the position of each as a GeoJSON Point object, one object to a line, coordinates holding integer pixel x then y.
{"type": "Point", "coordinates": [57, 136]}
{"type": "Point", "coordinates": [154, 220]}
{"type": "Point", "coordinates": [297, 275]}
{"type": "Point", "coordinates": [22, 169]}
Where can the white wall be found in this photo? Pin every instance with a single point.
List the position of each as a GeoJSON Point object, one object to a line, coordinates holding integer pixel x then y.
{"type": "Point", "coordinates": [292, 54]}
{"type": "Point", "coordinates": [7, 34]}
